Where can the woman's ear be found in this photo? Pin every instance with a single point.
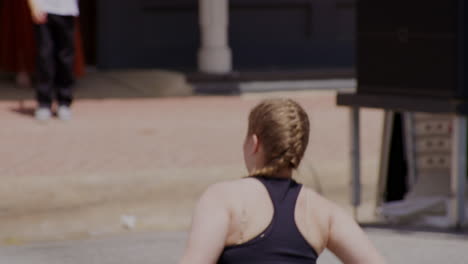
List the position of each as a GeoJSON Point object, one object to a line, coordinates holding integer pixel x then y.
{"type": "Point", "coordinates": [255, 144]}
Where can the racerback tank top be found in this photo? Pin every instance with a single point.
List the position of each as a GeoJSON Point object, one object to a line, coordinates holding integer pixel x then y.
{"type": "Point", "coordinates": [281, 242]}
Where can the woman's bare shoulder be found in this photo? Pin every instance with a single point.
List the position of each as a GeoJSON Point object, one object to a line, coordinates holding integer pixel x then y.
{"type": "Point", "coordinates": [224, 189]}
{"type": "Point", "coordinates": [315, 202]}
{"type": "Point", "coordinates": [317, 199]}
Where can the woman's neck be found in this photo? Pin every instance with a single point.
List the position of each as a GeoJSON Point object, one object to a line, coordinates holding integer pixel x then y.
{"type": "Point", "coordinates": [284, 174]}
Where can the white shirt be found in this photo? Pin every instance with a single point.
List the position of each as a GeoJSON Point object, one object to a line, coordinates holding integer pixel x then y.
{"type": "Point", "coordinates": [59, 7]}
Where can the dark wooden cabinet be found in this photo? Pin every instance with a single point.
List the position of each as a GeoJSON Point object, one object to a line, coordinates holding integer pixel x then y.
{"type": "Point", "coordinates": [414, 48]}
{"type": "Point", "coordinates": [411, 56]}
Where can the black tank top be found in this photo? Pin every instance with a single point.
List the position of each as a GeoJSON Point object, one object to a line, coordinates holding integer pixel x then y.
{"type": "Point", "coordinates": [281, 242]}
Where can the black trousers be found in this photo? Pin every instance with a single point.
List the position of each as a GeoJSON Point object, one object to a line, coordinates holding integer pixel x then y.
{"type": "Point", "coordinates": [55, 60]}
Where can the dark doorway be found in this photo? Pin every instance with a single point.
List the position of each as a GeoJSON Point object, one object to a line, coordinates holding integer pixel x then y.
{"type": "Point", "coordinates": [88, 18]}
{"type": "Point", "coordinates": [397, 164]}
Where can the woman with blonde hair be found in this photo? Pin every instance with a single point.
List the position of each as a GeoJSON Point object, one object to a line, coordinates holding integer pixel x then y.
{"type": "Point", "coordinates": [268, 217]}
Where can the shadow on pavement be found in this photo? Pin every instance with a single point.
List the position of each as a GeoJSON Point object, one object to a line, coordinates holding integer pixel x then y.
{"type": "Point", "coordinates": [22, 110]}
{"type": "Point", "coordinates": [112, 85]}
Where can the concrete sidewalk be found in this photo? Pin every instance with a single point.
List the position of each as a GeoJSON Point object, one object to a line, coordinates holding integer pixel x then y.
{"type": "Point", "coordinates": [150, 156]}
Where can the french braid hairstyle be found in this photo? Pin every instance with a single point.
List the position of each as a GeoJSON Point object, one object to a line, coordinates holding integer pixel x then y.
{"type": "Point", "coordinates": [283, 128]}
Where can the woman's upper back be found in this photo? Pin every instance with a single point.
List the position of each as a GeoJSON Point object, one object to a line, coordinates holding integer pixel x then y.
{"type": "Point", "coordinates": [236, 212]}
{"type": "Point", "coordinates": [272, 219]}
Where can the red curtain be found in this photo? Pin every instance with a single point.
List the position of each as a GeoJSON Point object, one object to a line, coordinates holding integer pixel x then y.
{"type": "Point", "coordinates": [17, 45]}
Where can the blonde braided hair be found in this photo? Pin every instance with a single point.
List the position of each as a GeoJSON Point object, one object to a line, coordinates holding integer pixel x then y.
{"type": "Point", "coordinates": [283, 128]}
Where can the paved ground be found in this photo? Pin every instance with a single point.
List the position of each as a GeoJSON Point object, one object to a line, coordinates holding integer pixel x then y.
{"type": "Point", "coordinates": [140, 146]}
{"type": "Point", "coordinates": [112, 84]}
{"type": "Point", "coordinates": [136, 153]}
{"type": "Point", "coordinates": [166, 247]}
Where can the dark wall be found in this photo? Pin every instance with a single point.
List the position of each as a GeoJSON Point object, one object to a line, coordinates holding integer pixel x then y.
{"type": "Point", "coordinates": [146, 34]}
{"type": "Point", "coordinates": [264, 34]}
{"type": "Point", "coordinates": [292, 33]}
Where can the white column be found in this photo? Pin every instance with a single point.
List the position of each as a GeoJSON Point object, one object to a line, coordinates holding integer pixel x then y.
{"type": "Point", "coordinates": [458, 181]}
{"type": "Point", "coordinates": [214, 55]}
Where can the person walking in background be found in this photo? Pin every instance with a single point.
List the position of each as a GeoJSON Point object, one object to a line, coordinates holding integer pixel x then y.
{"type": "Point", "coordinates": [17, 46]}
{"type": "Point", "coordinates": [268, 217]}
{"type": "Point", "coordinates": [55, 33]}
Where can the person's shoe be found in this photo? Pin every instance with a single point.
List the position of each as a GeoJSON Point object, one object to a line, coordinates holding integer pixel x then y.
{"type": "Point", "coordinates": [64, 113]}
{"type": "Point", "coordinates": [42, 113]}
